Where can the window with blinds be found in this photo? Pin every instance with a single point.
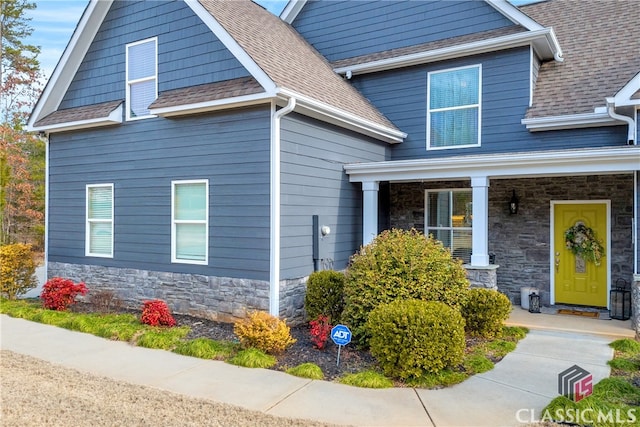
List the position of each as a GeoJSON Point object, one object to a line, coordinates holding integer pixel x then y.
{"type": "Point", "coordinates": [448, 218]}
{"type": "Point", "coordinates": [190, 222]}
{"type": "Point", "coordinates": [142, 81]}
{"type": "Point", "coordinates": [453, 108]}
{"type": "Point", "coordinates": [99, 228]}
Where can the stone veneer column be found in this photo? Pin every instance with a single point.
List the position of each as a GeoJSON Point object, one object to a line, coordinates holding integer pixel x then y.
{"type": "Point", "coordinates": [483, 277]}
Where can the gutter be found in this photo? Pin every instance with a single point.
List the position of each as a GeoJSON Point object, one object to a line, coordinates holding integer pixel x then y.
{"type": "Point", "coordinates": [631, 130]}
{"type": "Point", "coordinates": [274, 252]}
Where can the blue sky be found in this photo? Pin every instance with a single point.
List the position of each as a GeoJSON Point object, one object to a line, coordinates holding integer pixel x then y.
{"type": "Point", "coordinates": [53, 22]}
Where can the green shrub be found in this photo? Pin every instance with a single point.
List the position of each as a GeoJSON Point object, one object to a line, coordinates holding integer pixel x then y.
{"type": "Point", "coordinates": [17, 270]}
{"type": "Point", "coordinates": [264, 332]}
{"type": "Point", "coordinates": [411, 338]}
{"type": "Point", "coordinates": [485, 312]}
{"type": "Point", "coordinates": [325, 295]}
{"type": "Point", "coordinates": [400, 265]}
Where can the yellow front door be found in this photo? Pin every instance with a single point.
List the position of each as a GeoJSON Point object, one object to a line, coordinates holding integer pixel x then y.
{"type": "Point", "coordinates": [577, 281]}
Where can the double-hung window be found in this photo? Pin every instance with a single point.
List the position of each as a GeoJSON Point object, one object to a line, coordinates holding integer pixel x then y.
{"type": "Point", "coordinates": [449, 219]}
{"type": "Point", "coordinates": [453, 108]}
{"type": "Point", "coordinates": [190, 221]}
{"type": "Point", "coordinates": [142, 77]}
{"type": "Point", "coordinates": [99, 226]}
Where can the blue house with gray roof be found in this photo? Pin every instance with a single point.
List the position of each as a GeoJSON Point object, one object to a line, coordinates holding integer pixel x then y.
{"type": "Point", "coordinates": [213, 155]}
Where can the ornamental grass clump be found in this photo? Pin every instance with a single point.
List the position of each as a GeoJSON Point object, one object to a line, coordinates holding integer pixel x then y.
{"type": "Point", "coordinates": [263, 331]}
{"type": "Point", "coordinates": [402, 265]}
{"type": "Point", "coordinates": [59, 294]}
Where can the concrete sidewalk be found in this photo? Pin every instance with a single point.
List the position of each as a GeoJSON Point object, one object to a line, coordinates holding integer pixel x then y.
{"type": "Point", "coordinates": [519, 386]}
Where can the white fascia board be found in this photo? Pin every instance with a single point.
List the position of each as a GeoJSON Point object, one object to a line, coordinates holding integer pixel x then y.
{"type": "Point", "coordinates": [201, 107]}
{"type": "Point", "coordinates": [291, 10]}
{"type": "Point", "coordinates": [71, 59]}
{"type": "Point", "coordinates": [114, 118]}
{"type": "Point", "coordinates": [514, 14]}
{"type": "Point", "coordinates": [234, 47]}
{"type": "Point", "coordinates": [343, 118]}
{"type": "Point", "coordinates": [541, 39]}
{"type": "Point", "coordinates": [570, 121]}
{"type": "Point", "coordinates": [623, 97]}
{"type": "Point", "coordinates": [543, 163]}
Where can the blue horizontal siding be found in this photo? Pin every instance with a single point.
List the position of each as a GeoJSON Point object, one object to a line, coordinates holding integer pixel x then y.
{"type": "Point", "coordinates": [314, 183]}
{"type": "Point", "coordinates": [188, 52]}
{"type": "Point", "coordinates": [346, 28]}
{"type": "Point", "coordinates": [230, 149]}
{"type": "Point", "coordinates": [402, 96]}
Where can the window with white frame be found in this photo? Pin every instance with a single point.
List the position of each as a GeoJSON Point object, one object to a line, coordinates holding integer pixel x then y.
{"type": "Point", "coordinates": [190, 221]}
{"type": "Point", "coordinates": [453, 108]}
{"type": "Point", "coordinates": [99, 227]}
{"type": "Point", "coordinates": [142, 77]}
{"type": "Point", "coordinates": [448, 218]}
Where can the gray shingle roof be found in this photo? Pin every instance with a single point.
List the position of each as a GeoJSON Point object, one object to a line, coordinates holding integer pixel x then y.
{"type": "Point", "coordinates": [601, 50]}
{"type": "Point", "coordinates": [288, 59]}
{"type": "Point", "coordinates": [425, 47]}
{"type": "Point", "coordinates": [89, 112]}
{"type": "Point", "coordinates": [208, 92]}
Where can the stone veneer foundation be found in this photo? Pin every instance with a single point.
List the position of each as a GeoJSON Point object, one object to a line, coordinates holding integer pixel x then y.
{"type": "Point", "coordinates": [218, 298]}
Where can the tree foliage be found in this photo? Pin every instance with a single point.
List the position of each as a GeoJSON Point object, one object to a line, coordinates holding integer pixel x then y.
{"type": "Point", "coordinates": [22, 155]}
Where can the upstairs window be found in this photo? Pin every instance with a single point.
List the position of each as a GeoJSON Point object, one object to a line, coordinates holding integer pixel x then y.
{"type": "Point", "coordinates": [142, 78]}
{"type": "Point", "coordinates": [190, 224]}
{"type": "Point", "coordinates": [453, 110]}
{"type": "Point", "coordinates": [99, 227]}
{"type": "Point", "coordinates": [449, 219]}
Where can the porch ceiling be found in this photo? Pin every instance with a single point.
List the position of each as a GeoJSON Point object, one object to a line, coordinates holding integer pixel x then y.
{"type": "Point", "coordinates": [503, 165]}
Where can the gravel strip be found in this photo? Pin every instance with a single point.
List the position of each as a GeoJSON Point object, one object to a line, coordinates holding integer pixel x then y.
{"type": "Point", "coordinates": [36, 393]}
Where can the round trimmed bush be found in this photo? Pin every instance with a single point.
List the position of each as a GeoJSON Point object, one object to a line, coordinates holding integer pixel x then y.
{"type": "Point", "coordinates": [325, 295]}
{"type": "Point", "coordinates": [411, 338]}
{"type": "Point", "coordinates": [263, 331]}
{"type": "Point", "coordinates": [485, 312]}
{"type": "Point", "coordinates": [400, 264]}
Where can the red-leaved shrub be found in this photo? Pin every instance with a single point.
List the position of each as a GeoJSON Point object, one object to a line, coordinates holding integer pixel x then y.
{"type": "Point", "coordinates": [156, 313]}
{"type": "Point", "coordinates": [320, 330]}
{"type": "Point", "coordinates": [59, 294]}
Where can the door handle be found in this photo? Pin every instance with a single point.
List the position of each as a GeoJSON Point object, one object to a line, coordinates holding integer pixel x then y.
{"type": "Point", "coordinates": [557, 262]}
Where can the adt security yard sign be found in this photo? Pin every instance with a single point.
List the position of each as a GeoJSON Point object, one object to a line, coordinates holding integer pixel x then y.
{"type": "Point", "coordinates": [341, 335]}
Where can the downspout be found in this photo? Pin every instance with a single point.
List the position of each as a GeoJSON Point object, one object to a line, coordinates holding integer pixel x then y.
{"type": "Point", "coordinates": [274, 261]}
{"type": "Point", "coordinates": [631, 133]}
{"type": "Point", "coordinates": [46, 207]}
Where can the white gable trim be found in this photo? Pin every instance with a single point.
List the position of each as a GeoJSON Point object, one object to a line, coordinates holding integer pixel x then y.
{"type": "Point", "coordinates": [503, 165]}
{"type": "Point", "coordinates": [345, 119]}
{"type": "Point", "coordinates": [543, 40]}
{"type": "Point", "coordinates": [201, 107]}
{"type": "Point", "coordinates": [623, 97]}
{"type": "Point", "coordinates": [291, 10]}
{"type": "Point", "coordinates": [514, 14]}
{"type": "Point", "coordinates": [570, 121]}
{"type": "Point", "coordinates": [233, 46]}
{"type": "Point", "coordinates": [70, 61]}
{"type": "Point", "coordinates": [114, 118]}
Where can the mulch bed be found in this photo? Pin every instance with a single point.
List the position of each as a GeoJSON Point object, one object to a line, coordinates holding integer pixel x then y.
{"type": "Point", "coordinates": [303, 351]}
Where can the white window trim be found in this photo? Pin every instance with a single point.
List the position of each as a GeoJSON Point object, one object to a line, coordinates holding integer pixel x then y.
{"type": "Point", "coordinates": [478, 105]}
{"type": "Point", "coordinates": [174, 259]}
{"type": "Point", "coordinates": [427, 228]}
{"type": "Point", "coordinates": [87, 244]}
{"type": "Point", "coordinates": [128, 82]}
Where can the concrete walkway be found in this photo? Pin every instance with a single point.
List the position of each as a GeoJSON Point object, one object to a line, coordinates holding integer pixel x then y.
{"type": "Point", "coordinates": [511, 394]}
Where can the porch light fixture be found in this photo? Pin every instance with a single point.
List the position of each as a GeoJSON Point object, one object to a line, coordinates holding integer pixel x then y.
{"type": "Point", "coordinates": [620, 300]}
{"type": "Point", "coordinates": [514, 203]}
{"type": "Point", "coordinates": [534, 303]}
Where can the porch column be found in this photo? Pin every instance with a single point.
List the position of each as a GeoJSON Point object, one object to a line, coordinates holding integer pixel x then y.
{"type": "Point", "coordinates": [369, 210]}
{"type": "Point", "coordinates": [480, 225]}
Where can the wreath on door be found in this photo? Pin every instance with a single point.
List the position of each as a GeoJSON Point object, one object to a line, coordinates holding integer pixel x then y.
{"type": "Point", "coordinates": [581, 241]}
